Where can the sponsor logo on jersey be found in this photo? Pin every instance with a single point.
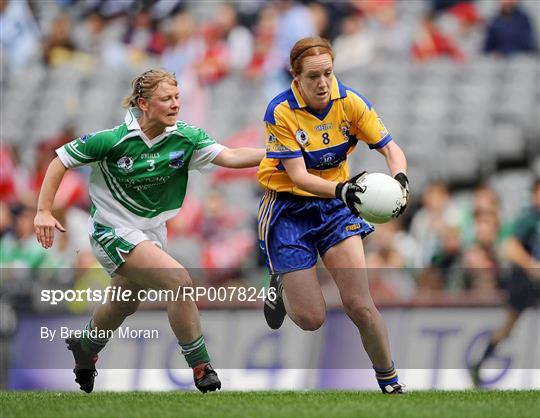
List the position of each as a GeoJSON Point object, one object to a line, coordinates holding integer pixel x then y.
{"type": "Point", "coordinates": [147, 155]}
{"type": "Point", "coordinates": [352, 227]}
{"type": "Point", "coordinates": [302, 137]}
{"type": "Point", "coordinates": [176, 159]}
{"type": "Point", "coordinates": [324, 127]}
{"type": "Point", "coordinates": [125, 164]}
{"type": "Point", "coordinates": [279, 148]}
{"type": "Point", "coordinates": [272, 138]}
{"type": "Point", "coordinates": [86, 137]}
{"type": "Point", "coordinates": [327, 159]}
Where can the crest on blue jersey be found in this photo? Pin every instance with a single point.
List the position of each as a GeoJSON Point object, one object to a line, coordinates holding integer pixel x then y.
{"type": "Point", "coordinates": [176, 159]}
{"type": "Point", "coordinates": [302, 137]}
{"type": "Point", "coordinates": [345, 127]}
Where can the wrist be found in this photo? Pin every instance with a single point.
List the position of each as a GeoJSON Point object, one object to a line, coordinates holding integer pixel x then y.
{"type": "Point", "coordinates": [339, 190]}
{"type": "Point", "coordinates": [402, 179]}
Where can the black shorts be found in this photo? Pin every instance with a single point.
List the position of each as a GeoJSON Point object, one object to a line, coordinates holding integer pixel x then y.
{"type": "Point", "coordinates": [523, 292]}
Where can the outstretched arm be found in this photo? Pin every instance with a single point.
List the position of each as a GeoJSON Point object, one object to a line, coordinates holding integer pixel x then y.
{"type": "Point", "coordinates": [239, 157]}
{"type": "Point", "coordinates": [45, 222]}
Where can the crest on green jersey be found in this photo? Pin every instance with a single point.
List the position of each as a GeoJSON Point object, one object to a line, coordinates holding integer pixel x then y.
{"type": "Point", "coordinates": [176, 159]}
{"type": "Point", "coordinates": [125, 164]}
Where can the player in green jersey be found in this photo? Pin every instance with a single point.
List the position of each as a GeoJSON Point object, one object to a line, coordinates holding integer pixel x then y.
{"type": "Point", "coordinates": [138, 182]}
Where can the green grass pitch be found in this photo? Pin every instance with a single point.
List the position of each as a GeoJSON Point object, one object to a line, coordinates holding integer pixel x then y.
{"type": "Point", "coordinates": [326, 404]}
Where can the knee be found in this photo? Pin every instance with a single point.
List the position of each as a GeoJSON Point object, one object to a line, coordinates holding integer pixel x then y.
{"type": "Point", "coordinates": [361, 313]}
{"type": "Point", "coordinates": [311, 321]}
{"type": "Point", "coordinates": [179, 278]}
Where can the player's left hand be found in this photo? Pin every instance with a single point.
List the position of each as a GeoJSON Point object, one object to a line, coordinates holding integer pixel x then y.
{"type": "Point", "coordinates": [402, 179]}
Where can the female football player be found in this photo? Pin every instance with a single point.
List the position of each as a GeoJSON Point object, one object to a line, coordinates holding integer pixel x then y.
{"type": "Point", "coordinates": [138, 182]}
{"type": "Point", "coordinates": [308, 207]}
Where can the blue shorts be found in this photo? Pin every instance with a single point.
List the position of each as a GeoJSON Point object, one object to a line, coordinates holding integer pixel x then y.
{"type": "Point", "coordinates": [294, 230]}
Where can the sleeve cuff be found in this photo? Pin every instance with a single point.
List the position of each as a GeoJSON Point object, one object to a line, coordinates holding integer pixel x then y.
{"type": "Point", "coordinates": [284, 155]}
{"type": "Point", "coordinates": [64, 157]}
{"type": "Point", "coordinates": [381, 143]}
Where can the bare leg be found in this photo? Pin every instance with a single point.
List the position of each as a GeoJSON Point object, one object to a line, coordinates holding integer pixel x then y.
{"type": "Point", "coordinates": [110, 315]}
{"type": "Point", "coordinates": [347, 265]}
{"type": "Point", "coordinates": [303, 299]}
{"type": "Point", "coordinates": [504, 331]}
{"type": "Point", "coordinates": [150, 267]}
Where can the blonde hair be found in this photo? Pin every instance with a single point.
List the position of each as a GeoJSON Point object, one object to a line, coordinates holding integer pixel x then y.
{"type": "Point", "coordinates": [145, 84]}
{"type": "Point", "coordinates": [308, 47]}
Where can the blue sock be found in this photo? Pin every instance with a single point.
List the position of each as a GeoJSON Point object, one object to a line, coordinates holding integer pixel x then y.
{"type": "Point", "coordinates": [386, 376]}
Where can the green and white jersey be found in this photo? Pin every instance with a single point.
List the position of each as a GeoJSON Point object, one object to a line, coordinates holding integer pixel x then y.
{"type": "Point", "coordinates": [137, 182]}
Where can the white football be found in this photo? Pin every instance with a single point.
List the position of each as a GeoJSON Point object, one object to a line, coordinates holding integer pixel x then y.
{"type": "Point", "coordinates": [382, 198]}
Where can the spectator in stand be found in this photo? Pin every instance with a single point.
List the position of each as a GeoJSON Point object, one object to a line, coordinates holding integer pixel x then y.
{"type": "Point", "coordinates": [392, 36]}
{"type": "Point", "coordinates": [19, 250]}
{"type": "Point", "coordinates": [72, 191]}
{"type": "Point", "coordinates": [355, 46]}
{"type": "Point", "coordinates": [8, 184]}
{"type": "Point", "coordinates": [460, 20]}
{"type": "Point", "coordinates": [58, 46]}
{"type": "Point", "coordinates": [6, 220]}
{"type": "Point", "coordinates": [484, 199]}
{"type": "Point", "coordinates": [263, 48]}
{"type": "Point", "coordinates": [19, 37]}
{"type": "Point", "coordinates": [510, 31]}
{"type": "Point", "coordinates": [226, 239]}
{"type": "Point", "coordinates": [320, 18]}
{"type": "Point", "coordinates": [215, 63]}
{"type": "Point", "coordinates": [448, 257]}
{"type": "Point", "coordinates": [431, 43]}
{"type": "Point", "coordinates": [294, 22]}
{"type": "Point", "coordinates": [238, 38]}
{"type": "Point", "coordinates": [185, 47]}
{"type": "Point", "coordinates": [481, 261]}
{"type": "Point", "coordinates": [431, 219]}
{"type": "Point", "coordinates": [142, 35]}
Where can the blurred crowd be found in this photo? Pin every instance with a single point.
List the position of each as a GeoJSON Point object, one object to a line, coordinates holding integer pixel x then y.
{"type": "Point", "coordinates": [212, 39]}
{"type": "Point", "coordinates": [449, 246]}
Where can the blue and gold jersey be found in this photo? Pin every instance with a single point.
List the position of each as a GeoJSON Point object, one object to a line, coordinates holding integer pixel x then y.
{"type": "Point", "coordinates": [323, 139]}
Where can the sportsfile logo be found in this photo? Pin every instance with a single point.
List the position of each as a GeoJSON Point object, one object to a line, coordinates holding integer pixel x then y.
{"type": "Point", "coordinates": [194, 294]}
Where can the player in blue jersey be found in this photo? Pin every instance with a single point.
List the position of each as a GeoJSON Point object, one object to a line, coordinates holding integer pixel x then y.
{"type": "Point", "coordinates": [308, 208]}
{"type": "Point", "coordinates": [139, 181]}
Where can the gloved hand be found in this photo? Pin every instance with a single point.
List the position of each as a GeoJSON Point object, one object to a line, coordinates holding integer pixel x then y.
{"type": "Point", "coordinates": [346, 192]}
{"type": "Point", "coordinates": [404, 182]}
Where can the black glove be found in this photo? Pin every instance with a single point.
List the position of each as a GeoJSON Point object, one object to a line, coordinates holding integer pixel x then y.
{"type": "Point", "coordinates": [346, 192]}
{"type": "Point", "coordinates": [404, 182]}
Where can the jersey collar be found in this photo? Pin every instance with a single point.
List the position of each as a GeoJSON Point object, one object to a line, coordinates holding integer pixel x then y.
{"type": "Point", "coordinates": [337, 91]}
{"type": "Point", "coordinates": [135, 130]}
{"type": "Point", "coordinates": [133, 124]}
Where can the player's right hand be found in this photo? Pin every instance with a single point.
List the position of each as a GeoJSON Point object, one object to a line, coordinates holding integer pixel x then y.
{"type": "Point", "coordinates": [347, 192]}
{"type": "Point", "coordinates": [44, 224]}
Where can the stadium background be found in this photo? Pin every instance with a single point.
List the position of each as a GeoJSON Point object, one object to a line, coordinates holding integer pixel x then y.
{"type": "Point", "coordinates": [460, 95]}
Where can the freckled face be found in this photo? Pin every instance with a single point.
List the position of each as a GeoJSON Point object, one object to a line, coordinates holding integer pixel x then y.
{"type": "Point", "coordinates": [315, 80]}
{"type": "Point", "coordinates": [164, 104]}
